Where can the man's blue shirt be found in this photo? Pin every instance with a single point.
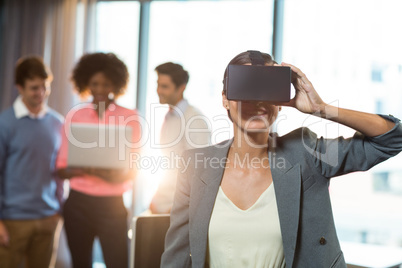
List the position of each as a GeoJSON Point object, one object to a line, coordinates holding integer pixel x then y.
{"type": "Point", "coordinates": [28, 150]}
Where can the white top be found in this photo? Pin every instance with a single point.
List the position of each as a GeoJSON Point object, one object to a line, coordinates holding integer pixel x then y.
{"type": "Point", "coordinates": [21, 110]}
{"type": "Point", "coordinates": [245, 238]}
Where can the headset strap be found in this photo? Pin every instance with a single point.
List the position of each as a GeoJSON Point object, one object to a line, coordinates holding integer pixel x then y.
{"type": "Point", "coordinates": [256, 57]}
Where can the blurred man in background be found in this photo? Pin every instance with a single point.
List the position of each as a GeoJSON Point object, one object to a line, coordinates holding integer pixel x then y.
{"type": "Point", "coordinates": [181, 118]}
{"type": "Point", "coordinates": [30, 195]}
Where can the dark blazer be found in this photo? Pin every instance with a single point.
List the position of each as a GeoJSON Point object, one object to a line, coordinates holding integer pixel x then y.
{"type": "Point", "coordinates": [301, 166]}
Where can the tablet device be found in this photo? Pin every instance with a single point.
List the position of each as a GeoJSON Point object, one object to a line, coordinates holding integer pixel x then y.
{"type": "Point", "coordinates": [99, 146]}
{"type": "Point", "coordinates": [258, 83]}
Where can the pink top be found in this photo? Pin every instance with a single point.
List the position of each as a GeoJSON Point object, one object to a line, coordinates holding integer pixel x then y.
{"type": "Point", "coordinates": [85, 113]}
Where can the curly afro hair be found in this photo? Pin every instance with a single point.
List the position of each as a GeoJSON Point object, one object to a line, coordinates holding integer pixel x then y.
{"type": "Point", "coordinates": [108, 64]}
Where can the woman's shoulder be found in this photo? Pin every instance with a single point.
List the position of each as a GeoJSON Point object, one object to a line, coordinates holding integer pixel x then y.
{"type": "Point", "coordinates": [211, 149]}
{"type": "Point", "coordinates": [298, 134]}
{"type": "Point", "coordinates": [296, 140]}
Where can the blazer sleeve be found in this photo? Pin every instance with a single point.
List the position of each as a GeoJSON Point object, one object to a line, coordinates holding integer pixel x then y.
{"type": "Point", "coordinates": [177, 246]}
{"type": "Point", "coordinates": [334, 157]}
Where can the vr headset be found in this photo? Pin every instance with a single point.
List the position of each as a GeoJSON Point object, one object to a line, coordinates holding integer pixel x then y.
{"type": "Point", "coordinates": [258, 82]}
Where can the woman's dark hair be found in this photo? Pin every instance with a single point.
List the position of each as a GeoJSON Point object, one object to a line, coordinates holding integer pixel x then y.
{"type": "Point", "coordinates": [108, 64]}
{"type": "Point", "coordinates": [29, 68]}
{"type": "Point", "coordinates": [176, 72]}
{"type": "Point", "coordinates": [244, 58]}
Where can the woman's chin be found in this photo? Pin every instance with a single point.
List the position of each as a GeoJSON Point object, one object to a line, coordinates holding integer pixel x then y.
{"type": "Point", "coordinates": [257, 127]}
{"type": "Point", "coordinates": [257, 122]}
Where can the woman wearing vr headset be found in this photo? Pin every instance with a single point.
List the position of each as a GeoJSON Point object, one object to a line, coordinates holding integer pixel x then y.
{"type": "Point", "coordinates": [259, 200]}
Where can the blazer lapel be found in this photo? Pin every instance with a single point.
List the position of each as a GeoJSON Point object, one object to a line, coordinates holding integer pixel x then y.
{"type": "Point", "coordinates": [287, 181]}
{"type": "Point", "coordinates": [209, 182]}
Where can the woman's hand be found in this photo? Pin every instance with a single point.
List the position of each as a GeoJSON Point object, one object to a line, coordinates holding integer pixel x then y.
{"type": "Point", "coordinates": [306, 99]}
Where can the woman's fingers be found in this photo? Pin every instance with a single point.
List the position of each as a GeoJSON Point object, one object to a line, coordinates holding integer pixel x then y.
{"type": "Point", "coordinates": [297, 74]}
{"type": "Point", "coordinates": [300, 80]}
{"type": "Point", "coordinates": [293, 68]}
{"type": "Point", "coordinates": [290, 103]}
{"type": "Point", "coordinates": [306, 98]}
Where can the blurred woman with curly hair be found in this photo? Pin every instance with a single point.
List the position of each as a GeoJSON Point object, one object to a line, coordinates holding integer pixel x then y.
{"type": "Point", "coordinates": [95, 205]}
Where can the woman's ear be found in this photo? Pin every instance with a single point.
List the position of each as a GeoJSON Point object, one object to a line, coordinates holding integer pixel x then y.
{"type": "Point", "coordinates": [225, 101]}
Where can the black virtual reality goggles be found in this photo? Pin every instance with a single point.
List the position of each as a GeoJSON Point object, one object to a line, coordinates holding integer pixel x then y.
{"type": "Point", "coordinates": [258, 82]}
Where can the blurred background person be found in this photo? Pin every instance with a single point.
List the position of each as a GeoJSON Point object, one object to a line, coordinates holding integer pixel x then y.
{"type": "Point", "coordinates": [184, 127]}
{"type": "Point", "coordinates": [30, 193]}
{"type": "Point", "coordinates": [95, 206]}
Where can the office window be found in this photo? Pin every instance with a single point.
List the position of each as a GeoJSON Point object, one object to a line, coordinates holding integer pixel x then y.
{"type": "Point", "coordinates": [376, 74]}
{"type": "Point", "coordinates": [204, 36]}
{"type": "Point", "coordinates": [117, 28]}
{"type": "Point", "coordinates": [350, 50]}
